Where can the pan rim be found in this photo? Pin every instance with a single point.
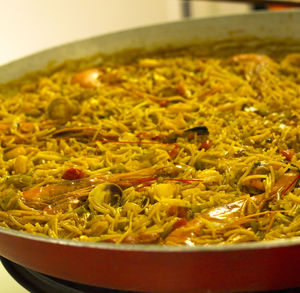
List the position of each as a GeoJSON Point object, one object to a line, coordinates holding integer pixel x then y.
{"type": "Point", "coordinates": [155, 248]}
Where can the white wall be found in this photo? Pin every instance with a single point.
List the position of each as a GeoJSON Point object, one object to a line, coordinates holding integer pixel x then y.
{"type": "Point", "coordinates": [211, 8]}
{"type": "Point", "coordinates": [27, 26]}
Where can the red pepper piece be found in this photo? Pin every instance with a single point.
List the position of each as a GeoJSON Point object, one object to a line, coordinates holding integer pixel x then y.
{"type": "Point", "coordinates": [158, 137]}
{"type": "Point", "coordinates": [181, 90]}
{"type": "Point", "coordinates": [288, 154]}
{"type": "Point", "coordinates": [179, 223]}
{"type": "Point", "coordinates": [180, 212]}
{"type": "Point", "coordinates": [163, 103]}
{"type": "Point", "coordinates": [73, 174]}
{"type": "Point", "coordinates": [206, 144]}
{"type": "Point", "coordinates": [174, 152]}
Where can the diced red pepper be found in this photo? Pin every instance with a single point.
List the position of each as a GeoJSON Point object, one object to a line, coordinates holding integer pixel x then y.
{"type": "Point", "coordinates": [288, 154]}
{"type": "Point", "coordinates": [177, 211]}
{"type": "Point", "coordinates": [173, 153]}
{"type": "Point", "coordinates": [202, 81]}
{"type": "Point", "coordinates": [206, 144]}
{"type": "Point", "coordinates": [73, 174]}
{"type": "Point", "coordinates": [181, 90]}
{"type": "Point", "coordinates": [157, 137]}
{"type": "Point", "coordinates": [179, 223]}
{"type": "Point", "coordinates": [164, 103]}
{"type": "Point", "coordinates": [200, 68]}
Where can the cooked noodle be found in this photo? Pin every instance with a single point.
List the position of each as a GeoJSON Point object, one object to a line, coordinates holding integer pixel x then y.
{"type": "Point", "coordinates": [170, 148]}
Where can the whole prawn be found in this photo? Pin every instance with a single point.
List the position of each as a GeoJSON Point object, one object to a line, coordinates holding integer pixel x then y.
{"type": "Point", "coordinates": [225, 215]}
{"type": "Point", "coordinates": [256, 68]}
{"type": "Point", "coordinates": [56, 197]}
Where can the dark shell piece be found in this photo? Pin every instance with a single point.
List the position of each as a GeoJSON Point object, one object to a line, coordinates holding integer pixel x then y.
{"type": "Point", "coordinates": [200, 130]}
{"type": "Point", "coordinates": [115, 194]}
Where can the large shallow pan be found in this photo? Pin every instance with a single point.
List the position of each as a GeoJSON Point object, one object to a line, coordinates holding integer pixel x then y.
{"type": "Point", "coordinates": [149, 268]}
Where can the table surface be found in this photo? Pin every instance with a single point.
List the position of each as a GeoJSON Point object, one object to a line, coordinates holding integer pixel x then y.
{"type": "Point", "coordinates": [8, 284]}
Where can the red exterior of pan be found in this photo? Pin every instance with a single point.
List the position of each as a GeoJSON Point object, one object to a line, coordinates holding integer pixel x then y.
{"type": "Point", "coordinates": [234, 268]}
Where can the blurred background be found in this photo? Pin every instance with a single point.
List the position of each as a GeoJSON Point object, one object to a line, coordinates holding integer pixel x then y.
{"type": "Point", "coordinates": [32, 25]}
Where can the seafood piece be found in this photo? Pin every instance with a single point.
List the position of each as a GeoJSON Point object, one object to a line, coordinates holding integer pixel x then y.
{"type": "Point", "coordinates": [172, 137]}
{"type": "Point", "coordinates": [55, 197]}
{"type": "Point", "coordinates": [224, 215]}
{"type": "Point", "coordinates": [200, 130]}
{"type": "Point", "coordinates": [60, 203]}
{"type": "Point", "coordinates": [83, 132]}
{"type": "Point", "coordinates": [97, 188]}
{"type": "Point", "coordinates": [88, 78]}
{"type": "Point", "coordinates": [255, 182]}
{"type": "Point", "coordinates": [189, 133]}
{"type": "Point", "coordinates": [105, 193]}
{"type": "Point", "coordinates": [61, 109]}
{"type": "Point", "coordinates": [255, 67]}
{"type": "Point", "coordinates": [251, 58]}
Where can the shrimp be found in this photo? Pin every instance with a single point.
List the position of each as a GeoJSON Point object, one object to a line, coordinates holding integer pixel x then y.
{"type": "Point", "coordinates": [255, 67]}
{"type": "Point", "coordinates": [88, 78]}
{"type": "Point", "coordinates": [96, 133]}
{"type": "Point", "coordinates": [225, 215]}
{"type": "Point", "coordinates": [83, 132]}
{"type": "Point", "coordinates": [251, 58]}
{"type": "Point", "coordinates": [56, 197]}
{"type": "Point", "coordinates": [260, 169]}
